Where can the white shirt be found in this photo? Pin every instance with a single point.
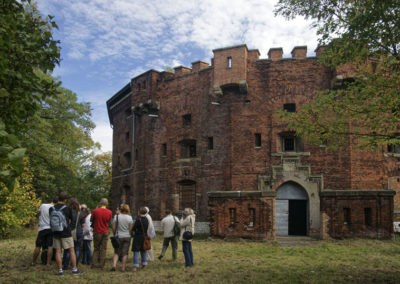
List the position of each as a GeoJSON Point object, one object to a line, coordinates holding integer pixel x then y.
{"type": "Point", "coordinates": [167, 225]}
{"type": "Point", "coordinates": [44, 218]}
{"type": "Point", "coordinates": [87, 230]}
{"type": "Point", "coordinates": [124, 220]}
{"type": "Point", "coordinates": [151, 232]}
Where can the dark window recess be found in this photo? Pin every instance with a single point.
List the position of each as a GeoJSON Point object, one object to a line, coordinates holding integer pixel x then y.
{"type": "Point", "coordinates": [252, 217]}
{"type": "Point", "coordinates": [257, 139]}
{"type": "Point", "coordinates": [232, 217]}
{"type": "Point", "coordinates": [136, 154]}
{"type": "Point", "coordinates": [186, 119]}
{"type": "Point", "coordinates": [188, 148]}
{"type": "Point", "coordinates": [289, 107]}
{"type": "Point", "coordinates": [288, 144]}
{"type": "Point", "coordinates": [164, 149]}
{"type": "Point", "coordinates": [368, 216]}
{"type": "Point", "coordinates": [210, 143]}
{"type": "Point", "coordinates": [144, 85]}
{"type": "Point", "coordinates": [346, 216]}
{"type": "Point", "coordinates": [138, 86]}
{"type": "Point", "coordinates": [128, 112]}
{"type": "Point", "coordinates": [229, 62]}
{"type": "Point", "coordinates": [127, 136]}
{"type": "Point", "coordinates": [127, 158]}
{"type": "Point", "coordinates": [394, 148]}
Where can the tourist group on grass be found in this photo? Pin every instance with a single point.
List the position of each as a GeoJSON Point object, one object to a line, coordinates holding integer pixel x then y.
{"type": "Point", "coordinates": [67, 229]}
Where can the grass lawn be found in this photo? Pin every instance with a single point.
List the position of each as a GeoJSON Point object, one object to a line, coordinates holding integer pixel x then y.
{"type": "Point", "coordinates": [219, 261]}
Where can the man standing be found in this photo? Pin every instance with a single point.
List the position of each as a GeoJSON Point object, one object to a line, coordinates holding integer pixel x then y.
{"type": "Point", "coordinates": [45, 236]}
{"type": "Point", "coordinates": [62, 239]}
{"type": "Point", "coordinates": [101, 217]}
{"type": "Point", "coordinates": [167, 224]}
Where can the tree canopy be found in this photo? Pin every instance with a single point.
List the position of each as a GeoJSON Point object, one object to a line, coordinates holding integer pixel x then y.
{"type": "Point", "coordinates": [365, 34]}
{"type": "Point", "coordinates": [26, 46]}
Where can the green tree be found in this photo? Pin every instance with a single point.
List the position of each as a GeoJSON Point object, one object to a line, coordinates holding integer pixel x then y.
{"type": "Point", "coordinates": [58, 142]}
{"type": "Point", "coordinates": [367, 35]}
{"type": "Point", "coordinates": [26, 46]}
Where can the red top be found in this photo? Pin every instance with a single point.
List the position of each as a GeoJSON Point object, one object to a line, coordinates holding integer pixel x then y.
{"type": "Point", "coordinates": [101, 217]}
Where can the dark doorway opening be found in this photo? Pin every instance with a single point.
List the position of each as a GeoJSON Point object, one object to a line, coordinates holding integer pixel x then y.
{"type": "Point", "coordinates": [298, 217]}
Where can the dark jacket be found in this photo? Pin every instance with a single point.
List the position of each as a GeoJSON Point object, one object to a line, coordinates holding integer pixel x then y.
{"type": "Point", "coordinates": [137, 244]}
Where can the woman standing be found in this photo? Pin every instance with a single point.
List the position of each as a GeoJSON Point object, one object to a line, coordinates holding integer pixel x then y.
{"type": "Point", "coordinates": [139, 230]}
{"type": "Point", "coordinates": [122, 226]}
{"type": "Point", "coordinates": [87, 238]}
{"type": "Point", "coordinates": [76, 225]}
{"type": "Point", "coordinates": [187, 225]}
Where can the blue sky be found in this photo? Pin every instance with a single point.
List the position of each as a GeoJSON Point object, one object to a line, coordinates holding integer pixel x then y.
{"type": "Point", "coordinates": [105, 43]}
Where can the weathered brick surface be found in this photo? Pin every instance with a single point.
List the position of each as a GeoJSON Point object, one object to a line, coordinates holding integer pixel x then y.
{"type": "Point", "coordinates": [232, 104]}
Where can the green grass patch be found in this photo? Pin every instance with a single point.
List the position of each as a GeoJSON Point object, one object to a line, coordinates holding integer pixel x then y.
{"type": "Point", "coordinates": [219, 261]}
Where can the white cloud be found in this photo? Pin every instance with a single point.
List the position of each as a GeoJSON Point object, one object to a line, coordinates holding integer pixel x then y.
{"type": "Point", "coordinates": [103, 134]}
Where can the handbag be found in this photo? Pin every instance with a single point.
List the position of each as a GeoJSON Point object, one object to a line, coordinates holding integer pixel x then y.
{"type": "Point", "coordinates": [187, 235]}
{"type": "Point", "coordinates": [146, 241]}
{"type": "Point", "coordinates": [73, 232]}
{"type": "Point", "coordinates": [115, 239]}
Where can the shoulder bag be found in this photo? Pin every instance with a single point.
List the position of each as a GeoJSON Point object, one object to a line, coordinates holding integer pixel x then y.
{"type": "Point", "coordinates": [115, 239]}
{"type": "Point", "coordinates": [187, 235]}
{"type": "Point", "coordinates": [146, 241]}
{"type": "Point", "coordinates": [73, 232]}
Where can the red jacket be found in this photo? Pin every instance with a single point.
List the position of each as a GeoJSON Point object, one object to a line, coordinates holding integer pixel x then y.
{"type": "Point", "coordinates": [101, 218]}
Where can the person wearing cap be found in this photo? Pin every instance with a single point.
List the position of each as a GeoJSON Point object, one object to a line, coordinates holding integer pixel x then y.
{"type": "Point", "coordinates": [151, 233]}
{"type": "Point", "coordinates": [187, 224]}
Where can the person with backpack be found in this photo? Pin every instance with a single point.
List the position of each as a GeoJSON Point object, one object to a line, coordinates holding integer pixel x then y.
{"type": "Point", "coordinates": [100, 217]}
{"type": "Point", "coordinates": [44, 238]}
{"type": "Point", "coordinates": [60, 219]}
{"type": "Point", "coordinates": [171, 227]}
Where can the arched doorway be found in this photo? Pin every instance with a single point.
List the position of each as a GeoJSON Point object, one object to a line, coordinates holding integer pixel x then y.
{"type": "Point", "coordinates": [291, 210]}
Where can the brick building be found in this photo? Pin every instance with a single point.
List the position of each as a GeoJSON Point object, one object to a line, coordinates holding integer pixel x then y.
{"type": "Point", "coordinates": [205, 137]}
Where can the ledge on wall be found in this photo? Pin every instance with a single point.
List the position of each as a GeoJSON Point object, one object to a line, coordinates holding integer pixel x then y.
{"type": "Point", "coordinates": [327, 193]}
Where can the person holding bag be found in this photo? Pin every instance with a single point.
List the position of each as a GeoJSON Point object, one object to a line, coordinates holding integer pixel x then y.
{"type": "Point", "coordinates": [122, 226]}
{"type": "Point", "coordinates": [187, 232]}
{"type": "Point", "coordinates": [141, 241]}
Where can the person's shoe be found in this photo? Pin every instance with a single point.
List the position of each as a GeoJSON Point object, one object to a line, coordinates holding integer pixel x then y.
{"type": "Point", "coordinates": [160, 257]}
{"type": "Point", "coordinates": [77, 272]}
{"type": "Point", "coordinates": [134, 269]}
{"type": "Point", "coordinates": [112, 269]}
{"type": "Point", "coordinates": [60, 273]}
{"type": "Point", "coordinates": [144, 266]}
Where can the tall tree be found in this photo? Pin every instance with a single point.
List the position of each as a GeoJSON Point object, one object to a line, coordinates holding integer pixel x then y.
{"type": "Point", "coordinates": [26, 46]}
{"type": "Point", "coordinates": [366, 34]}
{"type": "Point", "coordinates": [58, 141]}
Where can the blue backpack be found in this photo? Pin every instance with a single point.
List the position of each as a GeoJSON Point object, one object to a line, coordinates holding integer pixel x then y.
{"type": "Point", "coordinates": [57, 220]}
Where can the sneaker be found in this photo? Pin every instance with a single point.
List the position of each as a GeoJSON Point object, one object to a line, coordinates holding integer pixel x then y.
{"type": "Point", "coordinates": [112, 269]}
{"type": "Point", "coordinates": [60, 273]}
{"type": "Point", "coordinates": [144, 266]}
{"type": "Point", "coordinates": [77, 272]}
{"type": "Point", "coordinates": [160, 257]}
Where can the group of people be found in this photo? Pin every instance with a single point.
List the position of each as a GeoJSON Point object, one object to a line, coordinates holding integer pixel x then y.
{"type": "Point", "coordinates": [65, 224]}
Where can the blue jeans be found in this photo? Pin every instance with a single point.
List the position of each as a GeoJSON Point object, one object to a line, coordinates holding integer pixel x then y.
{"type": "Point", "coordinates": [143, 255]}
{"type": "Point", "coordinates": [66, 256]}
{"type": "Point", "coordinates": [188, 253]}
{"type": "Point", "coordinates": [87, 252]}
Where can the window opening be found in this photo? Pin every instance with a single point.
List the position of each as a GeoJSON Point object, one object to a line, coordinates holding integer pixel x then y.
{"type": "Point", "coordinates": [136, 154]}
{"type": "Point", "coordinates": [210, 143]}
{"type": "Point", "coordinates": [144, 85]}
{"type": "Point", "coordinates": [186, 119]}
{"type": "Point", "coordinates": [188, 148]}
{"type": "Point", "coordinates": [393, 148]}
{"type": "Point", "coordinates": [368, 216]}
{"type": "Point", "coordinates": [164, 149]}
{"type": "Point", "coordinates": [232, 217]}
{"type": "Point", "coordinates": [127, 157]}
{"type": "Point", "coordinates": [347, 216]}
{"type": "Point", "coordinates": [127, 136]}
{"type": "Point", "coordinates": [289, 107]}
{"type": "Point", "coordinates": [257, 139]}
{"type": "Point", "coordinates": [288, 144]}
{"type": "Point", "coordinates": [252, 217]}
{"type": "Point", "coordinates": [229, 62]}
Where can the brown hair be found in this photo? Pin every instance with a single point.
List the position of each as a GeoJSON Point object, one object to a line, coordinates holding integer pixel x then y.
{"type": "Point", "coordinates": [74, 204]}
{"type": "Point", "coordinates": [124, 208]}
{"type": "Point", "coordinates": [143, 210]}
{"type": "Point", "coordinates": [62, 196]}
